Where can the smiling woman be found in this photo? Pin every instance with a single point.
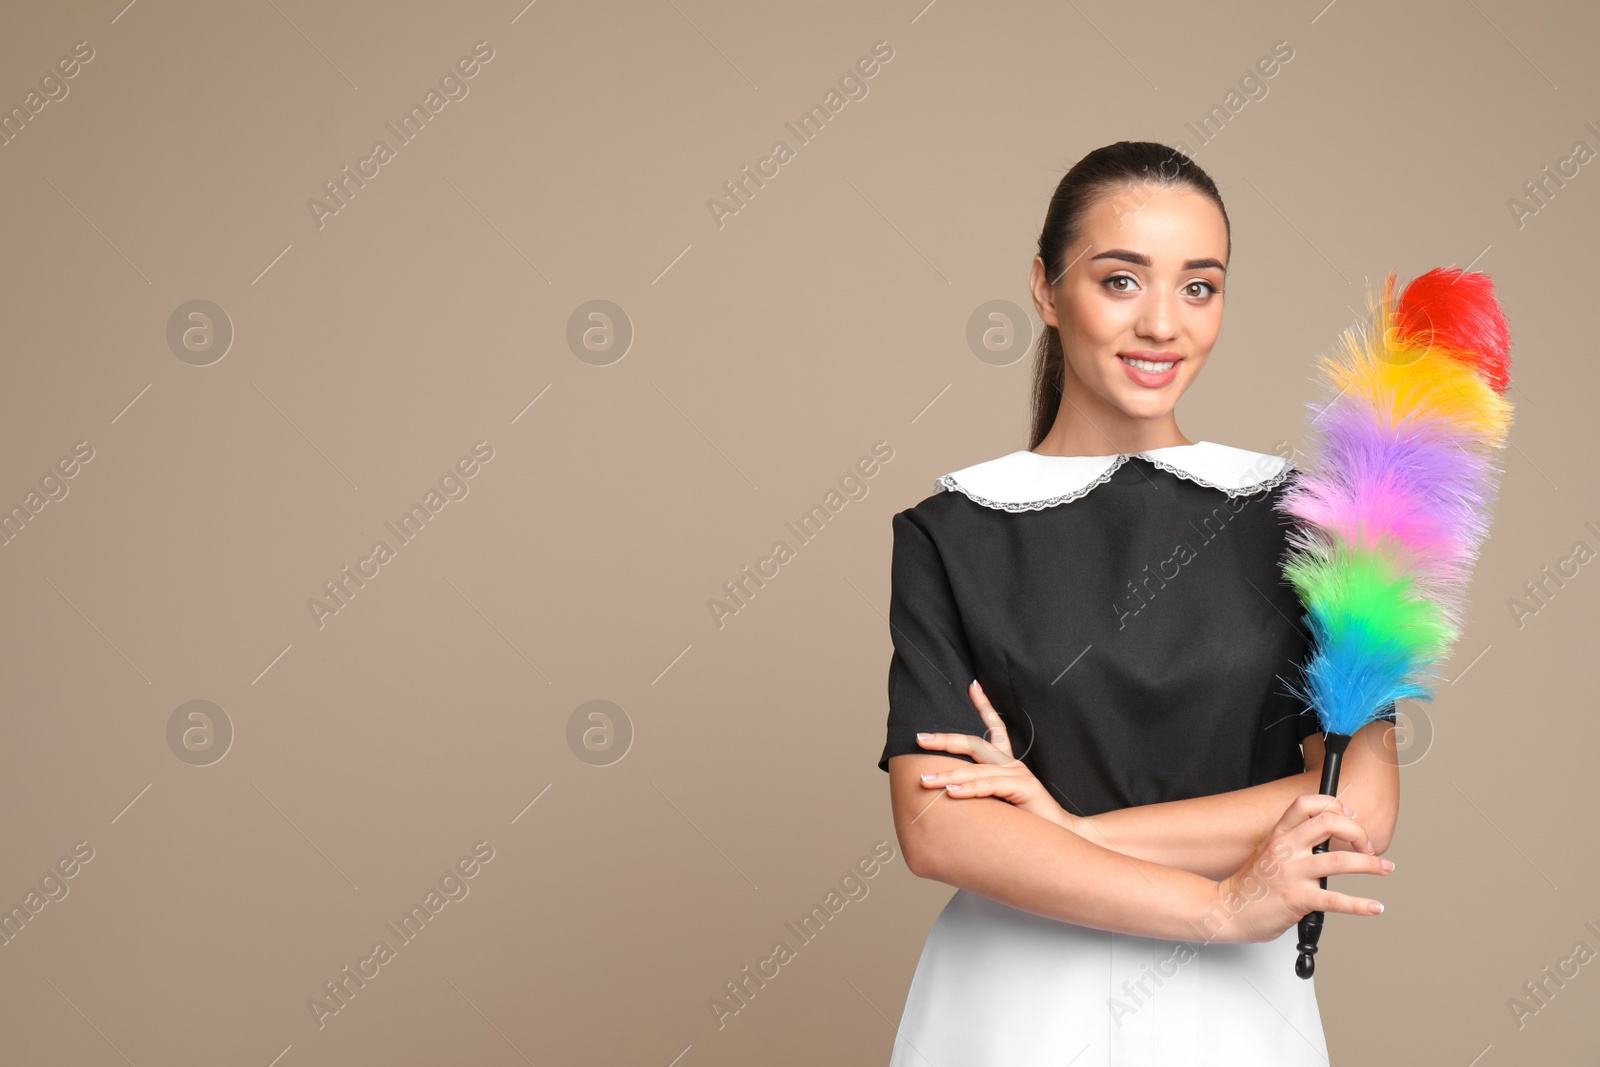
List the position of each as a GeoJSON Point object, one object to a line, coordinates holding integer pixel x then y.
{"type": "Point", "coordinates": [1128, 335]}
{"type": "Point", "coordinates": [1107, 797]}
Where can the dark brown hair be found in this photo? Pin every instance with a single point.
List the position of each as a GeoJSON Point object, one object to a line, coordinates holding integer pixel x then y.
{"type": "Point", "coordinates": [1101, 171]}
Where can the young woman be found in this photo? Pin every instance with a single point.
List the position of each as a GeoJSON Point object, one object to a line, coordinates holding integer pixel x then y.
{"type": "Point", "coordinates": [1089, 732]}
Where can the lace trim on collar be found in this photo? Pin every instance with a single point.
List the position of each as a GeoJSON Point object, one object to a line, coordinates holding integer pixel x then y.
{"type": "Point", "coordinates": [948, 481]}
{"type": "Point", "coordinates": [953, 482]}
{"type": "Point", "coordinates": [1235, 490]}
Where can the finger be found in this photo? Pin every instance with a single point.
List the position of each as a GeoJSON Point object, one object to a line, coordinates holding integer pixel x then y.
{"type": "Point", "coordinates": [971, 772]}
{"type": "Point", "coordinates": [964, 744]}
{"type": "Point", "coordinates": [1308, 805]}
{"type": "Point", "coordinates": [1329, 826]}
{"type": "Point", "coordinates": [979, 748]}
{"type": "Point", "coordinates": [1323, 864]}
{"type": "Point", "coordinates": [1300, 809]}
{"type": "Point", "coordinates": [1328, 900]}
{"type": "Point", "coordinates": [998, 736]}
{"type": "Point", "coordinates": [1005, 788]}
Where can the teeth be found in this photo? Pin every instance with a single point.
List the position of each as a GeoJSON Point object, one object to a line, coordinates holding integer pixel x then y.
{"type": "Point", "coordinates": [1148, 365]}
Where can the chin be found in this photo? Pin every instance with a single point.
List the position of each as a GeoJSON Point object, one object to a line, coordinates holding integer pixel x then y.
{"type": "Point", "coordinates": [1152, 415]}
{"type": "Point", "coordinates": [1147, 404]}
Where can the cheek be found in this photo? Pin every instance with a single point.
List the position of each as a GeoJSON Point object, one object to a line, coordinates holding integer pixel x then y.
{"type": "Point", "coordinates": [1101, 322]}
{"type": "Point", "coordinates": [1206, 325]}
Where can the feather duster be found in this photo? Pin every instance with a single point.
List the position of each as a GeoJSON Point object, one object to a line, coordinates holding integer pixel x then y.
{"type": "Point", "coordinates": [1393, 504]}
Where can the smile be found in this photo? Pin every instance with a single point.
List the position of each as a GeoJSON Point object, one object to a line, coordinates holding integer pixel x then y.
{"type": "Point", "coordinates": [1149, 364]}
{"type": "Point", "coordinates": [1150, 373]}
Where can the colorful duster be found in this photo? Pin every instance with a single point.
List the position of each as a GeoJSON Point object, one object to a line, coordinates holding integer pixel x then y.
{"type": "Point", "coordinates": [1394, 504]}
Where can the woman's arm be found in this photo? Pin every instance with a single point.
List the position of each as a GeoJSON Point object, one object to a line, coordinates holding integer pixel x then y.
{"type": "Point", "coordinates": [995, 849]}
{"type": "Point", "coordinates": [1369, 778]}
{"type": "Point", "coordinates": [1210, 835]}
{"type": "Point", "coordinates": [1213, 835]}
{"type": "Point", "coordinates": [989, 847]}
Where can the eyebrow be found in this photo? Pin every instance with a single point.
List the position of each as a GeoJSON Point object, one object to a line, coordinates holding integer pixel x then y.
{"type": "Point", "coordinates": [1144, 260]}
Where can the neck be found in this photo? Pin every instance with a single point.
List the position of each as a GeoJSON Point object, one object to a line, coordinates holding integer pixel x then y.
{"type": "Point", "coordinates": [1074, 434]}
{"type": "Point", "coordinates": [1087, 424]}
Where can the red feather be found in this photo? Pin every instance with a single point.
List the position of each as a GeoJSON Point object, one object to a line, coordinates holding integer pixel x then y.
{"type": "Point", "coordinates": [1456, 310]}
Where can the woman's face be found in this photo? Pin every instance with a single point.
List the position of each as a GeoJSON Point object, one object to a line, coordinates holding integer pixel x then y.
{"type": "Point", "coordinates": [1144, 282]}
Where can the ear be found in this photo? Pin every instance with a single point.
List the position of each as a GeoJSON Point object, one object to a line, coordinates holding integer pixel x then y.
{"type": "Point", "coordinates": [1043, 294]}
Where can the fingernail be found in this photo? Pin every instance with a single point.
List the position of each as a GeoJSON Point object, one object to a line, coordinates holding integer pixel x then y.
{"type": "Point", "coordinates": [929, 777]}
{"type": "Point", "coordinates": [973, 683]}
{"type": "Point", "coordinates": [953, 786]}
{"type": "Point", "coordinates": [1349, 811]}
{"type": "Point", "coordinates": [923, 737]}
{"type": "Point", "coordinates": [1388, 865]}
{"type": "Point", "coordinates": [1376, 908]}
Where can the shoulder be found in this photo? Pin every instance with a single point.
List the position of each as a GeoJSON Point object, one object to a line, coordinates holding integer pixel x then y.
{"type": "Point", "coordinates": [1029, 481]}
{"type": "Point", "coordinates": [934, 512]}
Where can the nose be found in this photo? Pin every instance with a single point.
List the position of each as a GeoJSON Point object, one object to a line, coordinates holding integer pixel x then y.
{"type": "Point", "coordinates": [1157, 318]}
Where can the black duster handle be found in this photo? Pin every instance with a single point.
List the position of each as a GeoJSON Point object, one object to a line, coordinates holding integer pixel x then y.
{"type": "Point", "coordinates": [1311, 926]}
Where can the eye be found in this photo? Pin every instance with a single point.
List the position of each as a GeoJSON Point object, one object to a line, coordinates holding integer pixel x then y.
{"type": "Point", "coordinates": [1108, 282]}
{"type": "Point", "coordinates": [1202, 282]}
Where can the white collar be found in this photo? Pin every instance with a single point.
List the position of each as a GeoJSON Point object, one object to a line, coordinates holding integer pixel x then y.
{"type": "Point", "coordinates": [1028, 481]}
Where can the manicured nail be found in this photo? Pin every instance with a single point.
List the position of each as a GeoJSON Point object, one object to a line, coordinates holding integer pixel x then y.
{"type": "Point", "coordinates": [1375, 908]}
{"type": "Point", "coordinates": [953, 786]}
{"type": "Point", "coordinates": [1387, 865]}
{"type": "Point", "coordinates": [1349, 811]}
{"type": "Point", "coordinates": [923, 737]}
{"type": "Point", "coordinates": [929, 777]}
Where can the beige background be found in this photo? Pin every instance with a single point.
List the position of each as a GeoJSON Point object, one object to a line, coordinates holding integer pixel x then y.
{"type": "Point", "coordinates": [432, 312]}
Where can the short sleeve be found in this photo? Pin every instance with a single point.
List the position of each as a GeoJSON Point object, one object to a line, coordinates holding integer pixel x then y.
{"type": "Point", "coordinates": [932, 662]}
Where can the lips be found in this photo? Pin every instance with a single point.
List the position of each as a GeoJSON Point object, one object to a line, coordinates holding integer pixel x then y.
{"type": "Point", "coordinates": [1150, 369]}
{"type": "Point", "coordinates": [1148, 356]}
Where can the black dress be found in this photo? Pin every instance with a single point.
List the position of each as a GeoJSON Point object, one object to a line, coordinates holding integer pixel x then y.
{"type": "Point", "coordinates": [1127, 617]}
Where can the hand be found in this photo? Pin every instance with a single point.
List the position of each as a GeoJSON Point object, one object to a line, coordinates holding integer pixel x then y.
{"type": "Point", "coordinates": [997, 773]}
{"type": "Point", "coordinates": [1278, 885]}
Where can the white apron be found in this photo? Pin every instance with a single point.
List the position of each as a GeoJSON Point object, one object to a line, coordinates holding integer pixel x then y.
{"type": "Point", "coordinates": [1001, 987]}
